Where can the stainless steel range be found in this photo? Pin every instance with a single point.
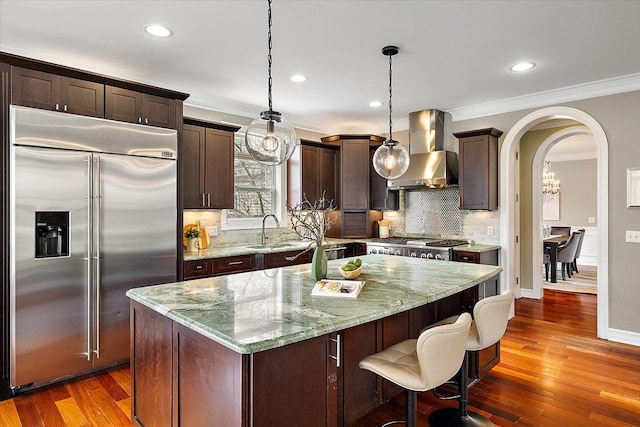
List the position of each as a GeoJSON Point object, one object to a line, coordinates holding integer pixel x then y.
{"type": "Point", "coordinates": [439, 249]}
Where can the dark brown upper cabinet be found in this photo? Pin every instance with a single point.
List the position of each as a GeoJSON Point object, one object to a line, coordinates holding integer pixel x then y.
{"type": "Point", "coordinates": [136, 107]}
{"type": "Point", "coordinates": [312, 172]}
{"type": "Point", "coordinates": [207, 164]}
{"type": "Point", "coordinates": [478, 168]}
{"type": "Point", "coordinates": [38, 89]}
{"type": "Point", "coordinates": [356, 219]}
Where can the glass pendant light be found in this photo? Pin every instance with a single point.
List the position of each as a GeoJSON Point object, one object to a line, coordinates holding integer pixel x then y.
{"type": "Point", "coordinates": [270, 139]}
{"type": "Point", "coordinates": [391, 159]}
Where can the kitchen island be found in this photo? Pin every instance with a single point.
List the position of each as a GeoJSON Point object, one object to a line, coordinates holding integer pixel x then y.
{"type": "Point", "coordinates": [258, 349]}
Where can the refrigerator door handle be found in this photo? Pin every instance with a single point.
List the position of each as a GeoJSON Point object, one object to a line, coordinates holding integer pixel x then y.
{"type": "Point", "coordinates": [89, 260]}
{"type": "Point", "coordinates": [98, 232]}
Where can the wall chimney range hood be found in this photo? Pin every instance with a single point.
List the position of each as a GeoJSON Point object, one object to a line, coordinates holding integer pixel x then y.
{"type": "Point", "coordinates": [431, 166]}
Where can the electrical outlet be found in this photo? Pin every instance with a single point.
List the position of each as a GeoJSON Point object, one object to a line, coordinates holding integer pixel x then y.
{"type": "Point", "coordinates": [212, 230]}
{"type": "Point", "coordinates": [489, 230]}
{"type": "Point", "coordinates": [592, 220]}
{"type": "Point", "coordinates": [633, 237]}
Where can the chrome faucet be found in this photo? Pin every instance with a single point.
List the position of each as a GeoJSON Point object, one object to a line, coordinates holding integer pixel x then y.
{"type": "Point", "coordinates": [264, 219]}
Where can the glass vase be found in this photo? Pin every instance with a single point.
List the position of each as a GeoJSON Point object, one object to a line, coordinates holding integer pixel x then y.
{"type": "Point", "coordinates": [319, 263]}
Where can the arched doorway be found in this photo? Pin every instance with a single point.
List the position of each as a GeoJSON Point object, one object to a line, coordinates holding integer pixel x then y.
{"type": "Point", "coordinates": [537, 199]}
{"type": "Point", "coordinates": [509, 189]}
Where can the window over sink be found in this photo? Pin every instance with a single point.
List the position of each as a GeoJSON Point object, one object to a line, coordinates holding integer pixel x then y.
{"type": "Point", "coordinates": [258, 190]}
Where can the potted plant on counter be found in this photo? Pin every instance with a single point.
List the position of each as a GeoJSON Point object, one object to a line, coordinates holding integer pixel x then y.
{"type": "Point", "coordinates": [193, 239]}
{"type": "Point", "coordinates": [311, 221]}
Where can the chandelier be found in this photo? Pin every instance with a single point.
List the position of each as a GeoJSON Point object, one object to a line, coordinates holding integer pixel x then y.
{"type": "Point", "coordinates": [550, 185]}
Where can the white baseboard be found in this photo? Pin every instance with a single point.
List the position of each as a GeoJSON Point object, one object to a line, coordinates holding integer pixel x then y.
{"type": "Point", "coordinates": [526, 293]}
{"type": "Point", "coordinates": [625, 337]}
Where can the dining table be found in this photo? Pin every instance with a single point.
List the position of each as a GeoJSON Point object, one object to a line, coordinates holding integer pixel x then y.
{"type": "Point", "coordinates": [550, 247]}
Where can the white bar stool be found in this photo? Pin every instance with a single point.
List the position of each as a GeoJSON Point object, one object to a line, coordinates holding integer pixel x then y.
{"type": "Point", "coordinates": [424, 363]}
{"type": "Point", "coordinates": [490, 318]}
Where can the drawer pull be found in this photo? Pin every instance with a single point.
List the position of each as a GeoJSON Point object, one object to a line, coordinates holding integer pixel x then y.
{"type": "Point", "coordinates": [199, 267]}
{"type": "Point", "coordinates": [236, 262]}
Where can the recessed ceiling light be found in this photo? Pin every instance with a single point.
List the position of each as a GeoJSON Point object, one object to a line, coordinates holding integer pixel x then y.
{"type": "Point", "coordinates": [298, 78]}
{"type": "Point", "coordinates": [375, 104]}
{"type": "Point", "coordinates": [522, 66]}
{"type": "Point", "coordinates": [158, 30]}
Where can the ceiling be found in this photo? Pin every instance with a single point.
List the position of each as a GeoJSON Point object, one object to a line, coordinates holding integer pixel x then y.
{"type": "Point", "coordinates": [454, 55]}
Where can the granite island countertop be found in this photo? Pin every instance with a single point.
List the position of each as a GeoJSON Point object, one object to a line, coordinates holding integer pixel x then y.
{"type": "Point", "coordinates": [261, 310]}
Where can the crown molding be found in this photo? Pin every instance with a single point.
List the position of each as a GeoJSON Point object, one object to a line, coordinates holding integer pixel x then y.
{"type": "Point", "coordinates": [612, 86]}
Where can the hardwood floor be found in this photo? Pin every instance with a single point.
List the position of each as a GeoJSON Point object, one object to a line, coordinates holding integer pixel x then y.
{"type": "Point", "coordinates": [553, 372]}
{"type": "Point", "coordinates": [96, 400]}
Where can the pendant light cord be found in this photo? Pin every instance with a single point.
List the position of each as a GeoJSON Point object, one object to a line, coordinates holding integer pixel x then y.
{"type": "Point", "coordinates": [269, 57]}
{"type": "Point", "coordinates": [390, 105]}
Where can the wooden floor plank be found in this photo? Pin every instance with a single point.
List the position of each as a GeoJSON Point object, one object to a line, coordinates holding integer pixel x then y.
{"type": "Point", "coordinates": [9, 414]}
{"type": "Point", "coordinates": [28, 411]}
{"type": "Point", "coordinates": [71, 413]}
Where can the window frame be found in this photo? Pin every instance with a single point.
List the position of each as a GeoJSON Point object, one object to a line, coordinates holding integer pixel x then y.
{"type": "Point", "coordinates": [278, 201]}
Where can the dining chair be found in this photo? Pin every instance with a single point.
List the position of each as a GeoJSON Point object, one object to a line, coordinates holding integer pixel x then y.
{"type": "Point", "coordinates": [574, 265]}
{"type": "Point", "coordinates": [560, 231]}
{"type": "Point", "coordinates": [567, 253]}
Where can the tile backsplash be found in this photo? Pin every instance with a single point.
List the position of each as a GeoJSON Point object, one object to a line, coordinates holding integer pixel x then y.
{"type": "Point", "coordinates": [435, 213]}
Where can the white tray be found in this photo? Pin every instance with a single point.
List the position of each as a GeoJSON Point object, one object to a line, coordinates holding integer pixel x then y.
{"type": "Point", "coordinates": [345, 288]}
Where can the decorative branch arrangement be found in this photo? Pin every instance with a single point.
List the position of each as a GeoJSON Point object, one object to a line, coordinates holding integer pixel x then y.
{"type": "Point", "coordinates": [311, 221]}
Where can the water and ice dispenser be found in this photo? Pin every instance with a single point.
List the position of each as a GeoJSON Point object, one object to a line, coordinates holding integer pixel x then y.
{"type": "Point", "coordinates": [52, 234]}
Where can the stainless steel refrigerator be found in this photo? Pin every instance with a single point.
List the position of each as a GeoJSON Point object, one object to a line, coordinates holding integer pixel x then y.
{"type": "Point", "coordinates": [93, 213]}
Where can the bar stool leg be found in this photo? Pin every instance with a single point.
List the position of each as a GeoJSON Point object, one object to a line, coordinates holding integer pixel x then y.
{"type": "Point", "coordinates": [460, 416]}
{"type": "Point", "coordinates": [410, 411]}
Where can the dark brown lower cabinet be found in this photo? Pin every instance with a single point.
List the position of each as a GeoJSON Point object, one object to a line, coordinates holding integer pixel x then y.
{"type": "Point", "coordinates": [360, 387]}
{"type": "Point", "coordinates": [210, 386]}
{"type": "Point", "coordinates": [151, 366]}
{"type": "Point", "coordinates": [182, 378]}
{"type": "Point", "coordinates": [295, 385]}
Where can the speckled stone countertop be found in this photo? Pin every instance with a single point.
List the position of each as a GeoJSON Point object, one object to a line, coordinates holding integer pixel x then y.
{"type": "Point", "coordinates": [477, 248]}
{"type": "Point", "coordinates": [214, 252]}
{"type": "Point", "coordinates": [261, 310]}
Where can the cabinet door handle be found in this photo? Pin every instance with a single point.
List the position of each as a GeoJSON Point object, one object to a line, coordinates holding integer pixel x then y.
{"type": "Point", "coordinates": [146, 121]}
{"type": "Point", "coordinates": [57, 107]}
{"type": "Point", "coordinates": [203, 204]}
{"type": "Point", "coordinates": [208, 199]}
{"type": "Point", "coordinates": [337, 357]}
{"type": "Point", "coordinates": [65, 108]}
{"type": "Point", "coordinates": [140, 120]}
{"type": "Point", "coordinates": [236, 262]}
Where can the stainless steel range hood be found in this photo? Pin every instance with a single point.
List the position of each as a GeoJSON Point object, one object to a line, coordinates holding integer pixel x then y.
{"type": "Point", "coordinates": [431, 166]}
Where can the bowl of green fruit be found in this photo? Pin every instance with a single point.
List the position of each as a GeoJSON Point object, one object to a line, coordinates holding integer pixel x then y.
{"type": "Point", "coordinates": [352, 269]}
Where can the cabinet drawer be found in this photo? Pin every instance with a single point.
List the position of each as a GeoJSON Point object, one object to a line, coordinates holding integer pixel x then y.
{"type": "Point", "coordinates": [279, 259]}
{"type": "Point", "coordinates": [233, 264]}
{"type": "Point", "coordinates": [198, 268]}
{"type": "Point", "coordinates": [462, 256]}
